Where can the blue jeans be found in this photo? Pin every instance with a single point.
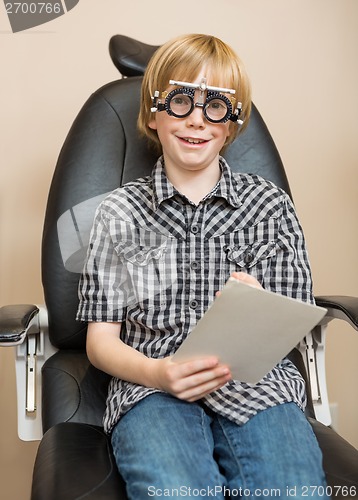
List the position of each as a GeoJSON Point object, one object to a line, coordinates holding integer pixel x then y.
{"type": "Point", "coordinates": [165, 447]}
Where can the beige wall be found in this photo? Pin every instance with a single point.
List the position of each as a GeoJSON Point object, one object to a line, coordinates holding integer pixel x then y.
{"type": "Point", "coordinates": [302, 57]}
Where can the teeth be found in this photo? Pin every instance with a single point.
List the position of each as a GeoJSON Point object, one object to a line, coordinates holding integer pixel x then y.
{"type": "Point", "coordinates": [194, 141]}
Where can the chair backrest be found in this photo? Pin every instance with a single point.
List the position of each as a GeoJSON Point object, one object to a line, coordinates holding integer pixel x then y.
{"type": "Point", "coordinates": [101, 152]}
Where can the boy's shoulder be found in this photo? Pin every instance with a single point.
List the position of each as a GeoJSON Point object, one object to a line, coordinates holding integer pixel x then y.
{"type": "Point", "coordinates": [242, 181]}
{"type": "Point", "coordinates": [254, 185]}
{"type": "Point", "coordinates": [255, 194]}
{"type": "Point", "coordinates": [124, 199]}
{"type": "Point", "coordinates": [254, 180]}
{"type": "Point", "coordinates": [136, 186]}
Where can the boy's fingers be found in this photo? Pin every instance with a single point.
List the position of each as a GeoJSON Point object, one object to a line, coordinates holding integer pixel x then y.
{"type": "Point", "coordinates": [188, 368]}
{"type": "Point", "coordinates": [202, 382]}
{"type": "Point", "coordinates": [198, 392]}
{"type": "Point", "coordinates": [246, 278]}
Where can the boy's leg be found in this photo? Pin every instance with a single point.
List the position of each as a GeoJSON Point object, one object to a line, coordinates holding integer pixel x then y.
{"type": "Point", "coordinates": [164, 447]}
{"type": "Point", "coordinates": [273, 455]}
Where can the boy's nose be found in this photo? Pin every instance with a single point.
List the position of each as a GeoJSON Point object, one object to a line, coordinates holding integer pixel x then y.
{"type": "Point", "coordinates": [196, 117]}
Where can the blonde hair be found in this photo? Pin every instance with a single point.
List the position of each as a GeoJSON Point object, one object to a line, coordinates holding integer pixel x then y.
{"type": "Point", "coordinates": [181, 59]}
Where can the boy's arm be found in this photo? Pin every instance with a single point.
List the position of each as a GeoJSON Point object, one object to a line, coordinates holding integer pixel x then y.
{"type": "Point", "coordinates": [289, 271]}
{"type": "Point", "coordinates": [189, 381]}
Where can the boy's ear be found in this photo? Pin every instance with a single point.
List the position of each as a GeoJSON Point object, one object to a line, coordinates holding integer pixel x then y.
{"type": "Point", "coordinates": [152, 123]}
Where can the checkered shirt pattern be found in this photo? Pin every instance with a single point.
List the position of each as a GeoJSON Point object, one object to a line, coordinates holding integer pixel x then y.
{"type": "Point", "coordinates": [156, 260]}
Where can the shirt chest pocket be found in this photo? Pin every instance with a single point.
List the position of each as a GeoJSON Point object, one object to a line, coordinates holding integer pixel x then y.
{"type": "Point", "coordinates": [253, 259]}
{"type": "Point", "coordinates": [143, 257]}
{"type": "Point", "coordinates": [145, 270]}
{"type": "Point", "coordinates": [140, 253]}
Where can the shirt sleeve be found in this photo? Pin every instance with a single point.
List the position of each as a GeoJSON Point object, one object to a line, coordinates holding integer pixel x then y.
{"type": "Point", "coordinates": [102, 286]}
{"type": "Point", "coordinates": [289, 271]}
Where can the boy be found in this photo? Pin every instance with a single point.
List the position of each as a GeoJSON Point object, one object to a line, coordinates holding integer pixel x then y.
{"type": "Point", "coordinates": [161, 247]}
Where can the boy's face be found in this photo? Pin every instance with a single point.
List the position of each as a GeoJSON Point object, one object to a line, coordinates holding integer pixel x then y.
{"type": "Point", "coordinates": [191, 143]}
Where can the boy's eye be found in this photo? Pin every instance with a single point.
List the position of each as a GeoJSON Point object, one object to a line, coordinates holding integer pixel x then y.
{"type": "Point", "coordinates": [180, 104]}
{"type": "Point", "coordinates": [180, 100]}
{"type": "Point", "coordinates": [216, 110]}
{"type": "Point", "coordinates": [217, 105]}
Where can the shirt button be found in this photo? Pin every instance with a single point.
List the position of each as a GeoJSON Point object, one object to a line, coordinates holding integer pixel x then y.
{"type": "Point", "coordinates": [248, 258]}
{"type": "Point", "coordinates": [195, 265]}
{"type": "Point", "coordinates": [195, 229]}
{"type": "Point", "coordinates": [193, 304]}
{"type": "Point", "coordinates": [140, 258]}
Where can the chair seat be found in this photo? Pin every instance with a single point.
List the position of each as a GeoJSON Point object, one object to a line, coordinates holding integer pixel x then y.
{"type": "Point", "coordinates": [76, 461]}
{"type": "Point", "coordinates": [79, 458]}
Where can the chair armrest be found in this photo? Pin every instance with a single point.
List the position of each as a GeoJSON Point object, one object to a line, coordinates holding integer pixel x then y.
{"type": "Point", "coordinates": [75, 460]}
{"type": "Point", "coordinates": [16, 321]}
{"type": "Point", "coordinates": [340, 307]}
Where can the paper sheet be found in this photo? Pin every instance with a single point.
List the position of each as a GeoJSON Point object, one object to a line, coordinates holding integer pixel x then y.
{"type": "Point", "coordinates": [250, 330]}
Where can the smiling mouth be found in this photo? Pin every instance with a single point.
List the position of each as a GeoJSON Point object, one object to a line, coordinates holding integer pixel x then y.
{"type": "Point", "coordinates": [190, 140]}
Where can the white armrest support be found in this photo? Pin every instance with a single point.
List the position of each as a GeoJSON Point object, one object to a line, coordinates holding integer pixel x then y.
{"type": "Point", "coordinates": [312, 348]}
{"type": "Point", "coordinates": [25, 327]}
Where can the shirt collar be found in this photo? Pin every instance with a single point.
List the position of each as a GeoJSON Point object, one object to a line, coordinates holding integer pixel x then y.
{"type": "Point", "coordinates": [162, 188]}
{"type": "Point", "coordinates": [226, 187]}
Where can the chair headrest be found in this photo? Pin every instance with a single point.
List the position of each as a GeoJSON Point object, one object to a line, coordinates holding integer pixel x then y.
{"type": "Point", "coordinates": [130, 56]}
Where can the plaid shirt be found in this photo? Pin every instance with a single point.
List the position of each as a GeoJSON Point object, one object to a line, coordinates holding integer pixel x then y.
{"type": "Point", "coordinates": [156, 260]}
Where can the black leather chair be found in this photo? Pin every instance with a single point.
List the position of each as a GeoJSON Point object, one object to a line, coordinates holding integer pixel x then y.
{"type": "Point", "coordinates": [101, 152]}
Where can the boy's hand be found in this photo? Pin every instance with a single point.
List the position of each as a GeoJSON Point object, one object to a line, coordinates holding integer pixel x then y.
{"type": "Point", "coordinates": [190, 380]}
{"type": "Point", "coordinates": [246, 278]}
{"type": "Point", "coordinates": [193, 380]}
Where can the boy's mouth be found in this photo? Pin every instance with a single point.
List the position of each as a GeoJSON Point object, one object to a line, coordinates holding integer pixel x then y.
{"type": "Point", "coordinates": [191, 140]}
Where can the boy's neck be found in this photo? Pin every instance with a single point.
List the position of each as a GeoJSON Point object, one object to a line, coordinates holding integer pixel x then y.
{"type": "Point", "coordinates": [194, 184]}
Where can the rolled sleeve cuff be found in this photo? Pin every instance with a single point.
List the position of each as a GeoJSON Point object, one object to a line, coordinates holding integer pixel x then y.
{"type": "Point", "coordinates": [100, 312]}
